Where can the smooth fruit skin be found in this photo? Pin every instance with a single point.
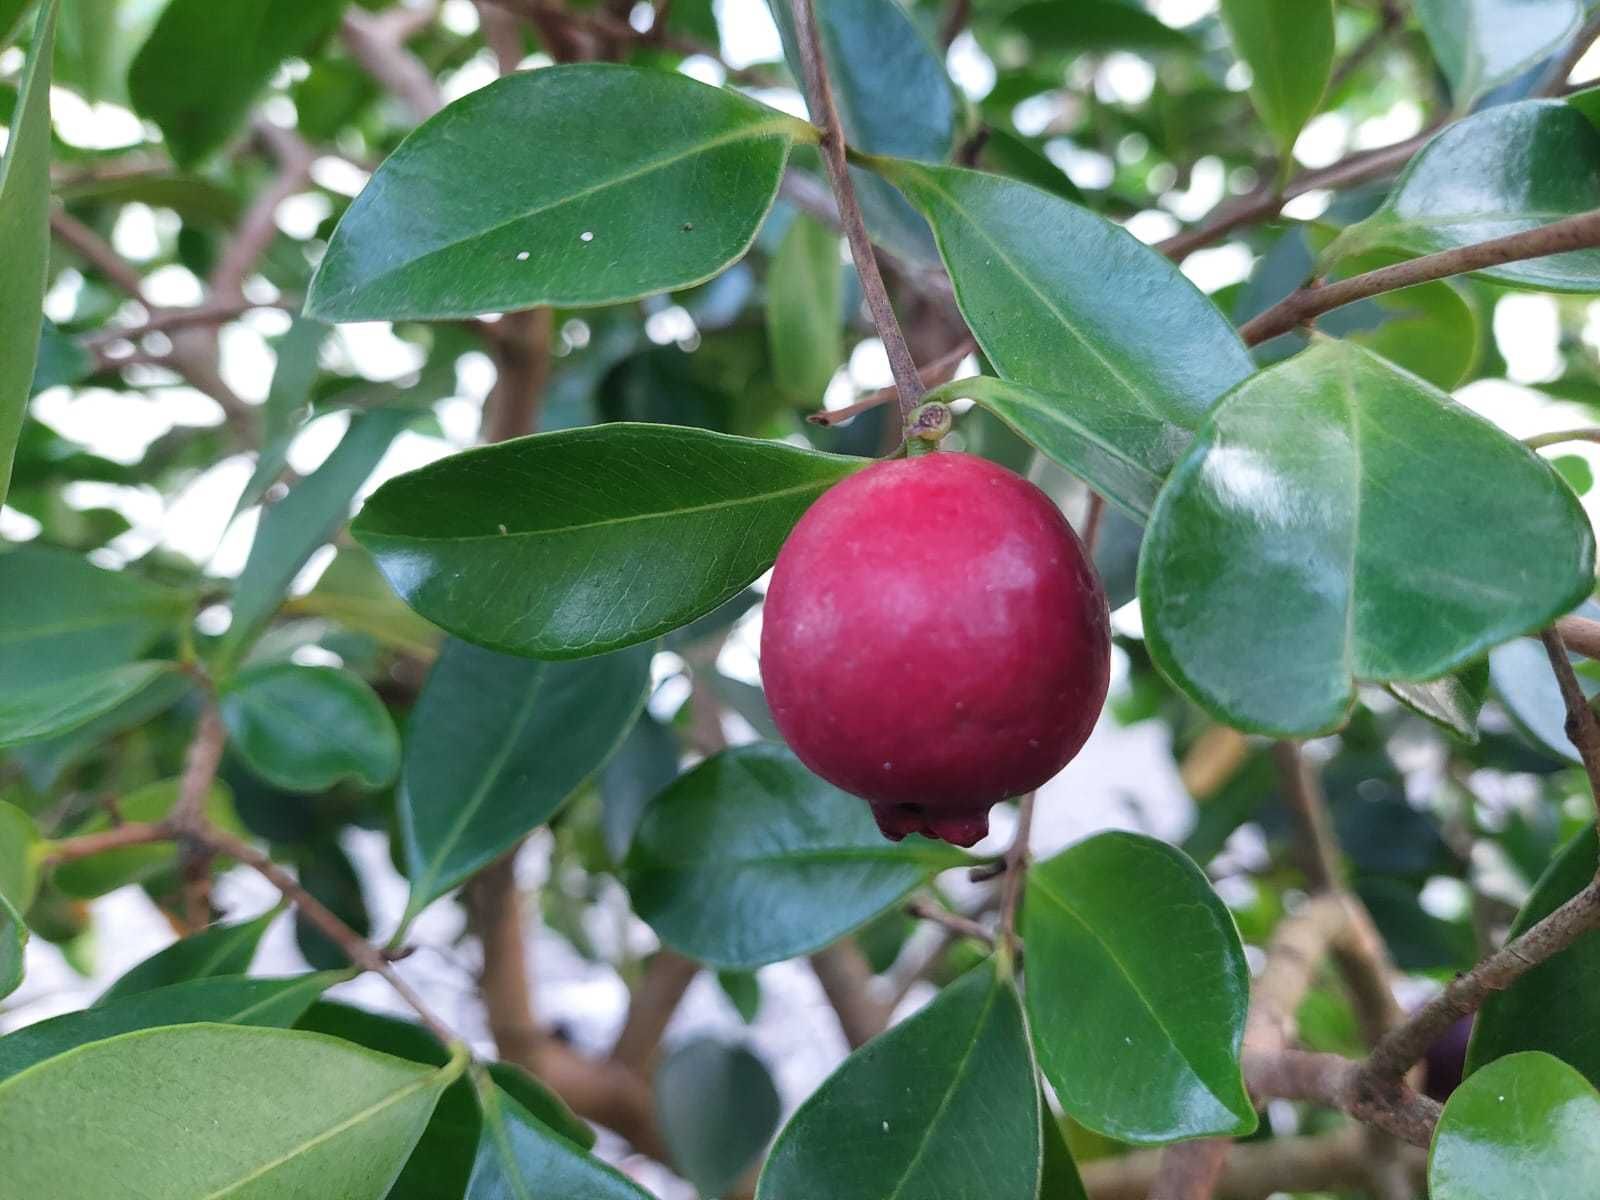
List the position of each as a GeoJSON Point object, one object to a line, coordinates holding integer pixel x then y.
{"type": "Point", "coordinates": [935, 640]}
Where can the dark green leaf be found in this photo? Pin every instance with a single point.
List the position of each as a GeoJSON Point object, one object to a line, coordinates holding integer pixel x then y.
{"type": "Point", "coordinates": [805, 312]}
{"type": "Point", "coordinates": [1453, 700]}
{"type": "Point", "coordinates": [327, 873]}
{"type": "Point", "coordinates": [307, 728]}
{"type": "Point", "coordinates": [1289, 50]}
{"type": "Point", "coordinates": [25, 232]}
{"type": "Point", "coordinates": [1523, 1126]}
{"type": "Point", "coordinates": [743, 991]}
{"type": "Point", "coordinates": [11, 12]}
{"type": "Point", "coordinates": [1520, 674]}
{"type": "Point", "coordinates": [61, 360]}
{"type": "Point", "coordinates": [1339, 520]}
{"type": "Point", "coordinates": [1507, 169]}
{"type": "Point", "coordinates": [13, 947]}
{"type": "Point", "coordinates": [1065, 302]}
{"type": "Point", "coordinates": [1007, 154]}
{"type": "Point", "coordinates": [1481, 43]}
{"type": "Point", "coordinates": [573, 543]}
{"type": "Point", "coordinates": [219, 950]}
{"type": "Point", "coordinates": [1059, 1178]}
{"type": "Point", "coordinates": [498, 745]}
{"type": "Point", "coordinates": [749, 859]}
{"type": "Point", "coordinates": [585, 184]}
{"type": "Point", "coordinates": [944, 1104]}
{"type": "Point", "coordinates": [518, 1156]}
{"type": "Point", "coordinates": [1519, 1018]}
{"type": "Point", "coordinates": [645, 763]}
{"type": "Point", "coordinates": [200, 69]}
{"type": "Point", "coordinates": [292, 529]}
{"type": "Point", "coordinates": [298, 1113]}
{"type": "Point", "coordinates": [718, 1108]}
{"type": "Point", "coordinates": [1135, 972]}
{"type": "Point", "coordinates": [19, 856]}
{"type": "Point", "coordinates": [1093, 26]}
{"type": "Point", "coordinates": [226, 999]}
{"type": "Point", "coordinates": [52, 709]}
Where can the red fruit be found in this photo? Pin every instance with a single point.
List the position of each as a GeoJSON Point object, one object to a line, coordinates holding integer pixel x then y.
{"type": "Point", "coordinates": [935, 640]}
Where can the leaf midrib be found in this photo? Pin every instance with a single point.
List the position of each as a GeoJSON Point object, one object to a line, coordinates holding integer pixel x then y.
{"type": "Point", "coordinates": [635, 518]}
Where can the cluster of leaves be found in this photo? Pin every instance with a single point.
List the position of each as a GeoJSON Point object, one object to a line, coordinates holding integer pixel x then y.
{"type": "Point", "coordinates": [1302, 525]}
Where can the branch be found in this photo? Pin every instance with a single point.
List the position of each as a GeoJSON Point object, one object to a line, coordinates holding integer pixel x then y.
{"type": "Point", "coordinates": [1319, 848]}
{"type": "Point", "coordinates": [927, 910]}
{"type": "Point", "coordinates": [1540, 441]}
{"type": "Point", "coordinates": [846, 980]}
{"type": "Point", "coordinates": [1192, 1170]}
{"type": "Point", "coordinates": [654, 1001]}
{"type": "Point", "coordinates": [819, 95]}
{"type": "Point", "coordinates": [379, 47]}
{"type": "Point", "coordinates": [88, 845]}
{"type": "Point", "coordinates": [258, 227]}
{"type": "Point", "coordinates": [1583, 729]}
{"type": "Point", "coordinates": [97, 252]}
{"type": "Point", "coordinates": [1554, 80]}
{"type": "Point", "coordinates": [520, 343]}
{"type": "Point", "coordinates": [1016, 871]}
{"type": "Point", "coordinates": [1581, 232]}
{"type": "Point", "coordinates": [940, 370]}
{"type": "Point", "coordinates": [1580, 635]}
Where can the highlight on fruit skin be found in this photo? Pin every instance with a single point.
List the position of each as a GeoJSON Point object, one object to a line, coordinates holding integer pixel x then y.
{"type": "Point", "coordinates": [935, 640]}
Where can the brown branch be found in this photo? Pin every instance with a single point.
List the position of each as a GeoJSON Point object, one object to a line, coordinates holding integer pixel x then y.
{"type": "Point", "coordinates": [520, 343]}
{"type": "Point", "coordinates": [97, 252]}
{"type": "Point", "coordinates": [819, 95]}
{"type": "Point", "coordinates": [1541, 440]}
{"type": "Point", "coordinates": [1016, 871]}
{"type": "Point", "coordinates": [940, 370]}
{"type": "Point", "coordinates": [1305, 304]}
{"type": "Point", "coordinates": [1580, 635]}
{"type": "Point", "coordinates": [1332, 1162]}
{"type": "Point", "coordinates": [379, 47]}
{"type": "Point", "coordinates": [503, 33]}
{"type": "Point", "coordinates": [1344, 1084]}
{"type": "Point", "coordinates": [1319, 848]}
{"type": "Point", "coordinates": [212, 312]}
{"type": "Point", "coordinates": [258, 227]}
{"type": "Point", "coordinates": [89, 844]}
{"type": "Point", "coordinates": [1192, 1170]}
{"type": "Point", "coordinates": [1554, 80]}
{"type": "Point", "coordinates": [846, 979]}
{"type": "Point", "coordinates": [1582, 727]}
{"type": "Point", "coordinates": [1093, 521]}
{"type": "Point", "coordinates": [926, 909]}
{"type": "Point", "coordinates": [650, 1011]}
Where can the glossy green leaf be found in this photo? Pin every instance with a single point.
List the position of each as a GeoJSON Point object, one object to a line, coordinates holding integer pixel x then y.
{"type": "Point", "coordinates": [577, 542]}
{"type": "Point", "coordinates": [105, 872]}
{"type": "Point", "coordinates": [307, 728]}
{"type": "Point", "coordinates": [521, 1157]}
{"type": "Point", "coordinates": [19, 856]}
{"type": "Point", "coordinates": [60, 617]}
{"type": "Point", "coordinates": [203, 63]}
{"type": "Point", "coordinates": [718, 1108]}
{"type": "Point", "coordinates": [354, 593]}
{"type": "Point", "coordinates": [749, 859]}
{"type": "Point", "coordinates": [1007, 154]}
{"type": "Point", "coordinates": [298, 1113]}
{"type": "Point", "coordinates": [1453, 701]}
{"type": "Point", "coordinates": [578, 185]}
{"type": "Point", "coordinates": [219, 950]}
{"type": "Point", "coordinates": [497, 746]}
{"type": "Point", "coordinates": [1519, 1018]}
{"type": "Point", "coordinates": [1523, 1126]}
{"type": "Point", "coordinates": [25, 233]}
{"type": "Point", "coordinates": [225, 999]}
{"type": "Point", "coordinates": [1122, 452]}
{"type": "Point", "coordinates": [1063, 301]}
{"type": "Point", "coordinates": [893, 97]}
{"type": "Point", "coordinates": [1135, 972]}
{"type": "Point", "coordinates": [326, 872]}
{"type": "Point", "coordinates": [1505, 170]}
{"type": "Point", "coordinates": [13, 947]}
{"type": "Point", "coordinates": [292, 529]}
{"type": "Point", "coordinates": [805, 315]}
{"type": "Point", "coordinates": [52, 709]}
{"type": "Point", "coordinates": [46, 761]}
{"type": "Point", "coordinates": [1481, 43]}
{"type": "Point", "coordinates": [1093, 26]}
{"type": "Point", "coordinates": [1059, 1179]}
{"type": "Point", "coordinates": [944, 1104]}
{"type": "Point", "coordinates": [645, 763]}
{"type": "Point", "coordinates": [1288, 46]}
{"type": "Point", "coordinates": [1339, 520]}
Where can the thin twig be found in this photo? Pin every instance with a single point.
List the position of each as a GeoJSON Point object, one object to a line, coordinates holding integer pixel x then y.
{"type": "Point", "coordinates": [940, 370]}
{"type": "Point", "coordinates": [1093, 521]}
{"type": "Point", "coordinates": [1581, 635]}
{"type": "Point", "coordinates": [1581, 232]}
{"type": "Point", "coordinates": [1320, 857]}
{"type": "Point", "coordinates": [927, 910]}
{"type": "Point", "coordinates": [258, 227]}
{"type": "Point", "coordinates": [1582, 727]}
{"type": "Point", "coordinates": [1541, 440]}
{"type": "Point", "coordinates": [97, 252]}
{"type": "Point", "coordinates": [212, 312]}
{"type": "Point", "coordinates": [89, 844]}
{"type": "Point", "coordinates": [819, 95]}
{"type": "Point", "coordinates": [846, 979]}
{"type": "Point", "coordinates": [1016, 871]}
{"type": "Point", "coordinates": [1554, 80]}
{"type": "Point", "coordinates": [381, 51]}
{"type": "Point", "coordinates": [654, 1001]}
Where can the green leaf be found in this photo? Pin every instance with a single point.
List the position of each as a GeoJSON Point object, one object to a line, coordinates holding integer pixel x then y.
{"type": "Point", "coordinates": [718, 1108]}
{"type": "Point", "coordinates": [1339, 520]}
{"type": "Point", "coordinates": [1093, 26]}
{"type": "Point", "coordinates": [1481, 43]}
{"type": "Point", "coordinates": [53, 709]}
{"type": "Point", "coordinates": [327, 873]}
{"type": "Point", "coordinates": [576, 185]}
{"type": "Point", "coordinates": [1453, 701]}
{"type": "Point", "coordinates": [111, 869]}
{"type": "Point", "coordinates": [805, 313]}
{"type": "Point", "coordinates": [1065, 302]}
{"type": "Point", "coordinates": [1505, 170]}
{"type": "Point", "coordinates": [60, 617]}
{"type": "Point", "coordinates": [353, 592]}
{"type": "Point", "coordinates": [11, 13]}
{"type": "Point", "coordinates": [749, 859]}
{"type": "Point", "coordinates": [25, 232]}
{"type": "Point", "coordinates": [572, 543]}
{"type": "Point", "coordinates": [225, 999]}
{"type": "Point", "coordinates": [19, 856]}
{"type": "Point", "coordinates": [85, 51]}
{"type": "Point", "coordinates": [203, 63]}
{"type": "Point", "coordinates": [298, 1114]}
{"type": "Point", "coordinates": [1524, 685]}
{"type": "Point", "coordinates": [645, 763]}
{"type": "Point", "coordinates": [497, 746]}
{"type": "Point", "coordinates": [286, 406]}
{"type": "Point", "coordinates": [1288, 46]}
{"type": "Point", "coordinates": [292, 529]}
{"type": "Point", "coordinates": [520, 1157]}
{"type": "Point", "coordinates": [1135, 971]}
{"type": "Point", "coordinates": [13, 947]}
{"type": "Point", "coordinates": [307, 728]}
{"type": "Point", "coordinates": [1120, 451]}
{"type": "Point", "coordinates": [1523, 1126]}
{"type": "Point", "coordinates": [1518, 1018]}
{"type": "Point", "coordinates": [219, 950]}
{"type": "Point", "coordinates": [1059, 1179]}
{"type": "Point", "coordinates": [944, 1104]}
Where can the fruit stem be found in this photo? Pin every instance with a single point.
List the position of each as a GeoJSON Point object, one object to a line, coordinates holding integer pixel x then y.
{"type": "Point", "coordinates": [1016, 870]}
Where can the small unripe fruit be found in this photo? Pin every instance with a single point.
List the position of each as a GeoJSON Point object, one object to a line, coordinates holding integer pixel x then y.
{"type": "Point", "coordinates": [934, 641]}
